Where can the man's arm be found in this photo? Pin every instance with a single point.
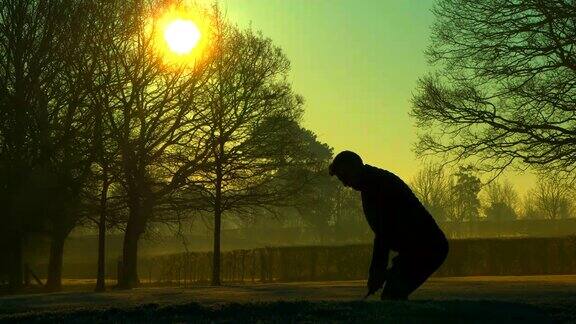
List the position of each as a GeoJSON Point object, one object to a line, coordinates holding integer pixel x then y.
{"type": "Point", "coordinates": [378, 265]}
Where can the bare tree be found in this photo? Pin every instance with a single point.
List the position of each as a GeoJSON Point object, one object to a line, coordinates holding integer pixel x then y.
{"type": "Point", "coordinates": [432, 186]}
{"type": "Point", "coordinates": [529, 207]}
{"type": "Point", "coordinates": [504, 86]}
{"type": "Point", "coordinates": [41, 117]}
{"type": "Point", "coordinates": [97, 80]}
{"type": "Point", "coordinates": [251, 125]}
{"type": "Point", "coordinates": [501, 201]}
{"type": "Point", "coordinates": [552, 198]}
{"type": "Point", "coordinates": [152, 112]}
{"type": "Point", "coordinates": [100, 206]}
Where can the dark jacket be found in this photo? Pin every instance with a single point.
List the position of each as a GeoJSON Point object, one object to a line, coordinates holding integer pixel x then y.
{"type": "Point", "coordinates": [399, 221]}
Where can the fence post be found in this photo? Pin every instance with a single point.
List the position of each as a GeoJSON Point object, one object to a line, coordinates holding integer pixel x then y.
{"type": "Point", "coordinates": [243, 265]}
{"type": "Point", "coordinates": [253, 265]}
{"type": "Point", "coordinates": [262, 265]}
{"type": "Point", "coordinates": [270, 264]}
{"type": "Point", "coordinates": [313, 260]}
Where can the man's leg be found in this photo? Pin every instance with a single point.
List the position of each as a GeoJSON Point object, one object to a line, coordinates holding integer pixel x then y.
{"type": "Point", "coordinates": [408, 272]}
{"type": "Point", "coordinates": [396, 283]}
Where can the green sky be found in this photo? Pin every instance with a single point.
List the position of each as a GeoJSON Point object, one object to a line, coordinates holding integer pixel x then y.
{"type": "Point", "coordinates": [356, 63]}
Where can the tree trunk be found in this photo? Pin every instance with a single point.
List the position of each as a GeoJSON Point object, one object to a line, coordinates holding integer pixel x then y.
{"type": "Point", "coordinates": [216, 255]}
{"type": "Point", "coordinates": [101, 275]}
{"type": "Point", "coordinates": [217, 223]}
{"type": "Point", "coordinates": [129, 271]}
{"type": "Point", "coordinates": [139, 213]}
{"type": "Point", "coordinates": [54, 282]}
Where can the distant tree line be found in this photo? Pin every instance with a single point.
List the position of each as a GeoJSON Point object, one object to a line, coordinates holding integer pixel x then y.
{"type": "Point", "coordinates": [461, 197]}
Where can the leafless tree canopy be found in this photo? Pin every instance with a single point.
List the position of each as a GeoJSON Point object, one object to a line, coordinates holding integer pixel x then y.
{"type": "Point", "coordinates": [501, 201]}
{"type": "Point", "coordinates": [550, 199]}
{"type": "Point", "coordinates": [432, 186]}
{"type": "Point", "coordinates": [504, 87]}
{"type": "Point", "coordinates": [250, 122]}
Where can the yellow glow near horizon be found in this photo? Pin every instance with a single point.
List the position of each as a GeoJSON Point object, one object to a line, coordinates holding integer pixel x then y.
{"type": "Point", "coordinates": [182, 36]}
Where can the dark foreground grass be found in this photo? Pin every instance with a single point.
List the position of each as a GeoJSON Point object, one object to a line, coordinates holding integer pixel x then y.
{"type": "Point", "coordinates": [454, 311]}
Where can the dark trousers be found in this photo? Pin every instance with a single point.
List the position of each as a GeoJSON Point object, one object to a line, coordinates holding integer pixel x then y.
{"type": "Point", "coordinates": [411, 269]}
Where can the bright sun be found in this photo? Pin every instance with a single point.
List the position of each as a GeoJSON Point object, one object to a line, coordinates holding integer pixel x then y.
{"type": "Point", "coordinates": [182, 36]}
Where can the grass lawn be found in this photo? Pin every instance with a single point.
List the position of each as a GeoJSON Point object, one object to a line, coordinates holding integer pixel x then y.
{"type": "Point", "coordinates": [537, 299]}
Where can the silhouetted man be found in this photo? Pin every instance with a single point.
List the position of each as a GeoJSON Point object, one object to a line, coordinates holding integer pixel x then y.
{"type": "Point", "coordinates": [400, 223]}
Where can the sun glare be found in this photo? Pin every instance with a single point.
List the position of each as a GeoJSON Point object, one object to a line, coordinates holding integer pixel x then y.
{"type": "Point", "coordinates": [182, 36]}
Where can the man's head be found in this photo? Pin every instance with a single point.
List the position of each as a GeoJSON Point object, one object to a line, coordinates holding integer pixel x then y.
{"type": "Point", "coordinates": [347, 166]}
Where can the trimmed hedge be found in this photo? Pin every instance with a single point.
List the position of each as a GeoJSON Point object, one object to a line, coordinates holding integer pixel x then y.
{"type": "Point", "coordinates": [467, 257]}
